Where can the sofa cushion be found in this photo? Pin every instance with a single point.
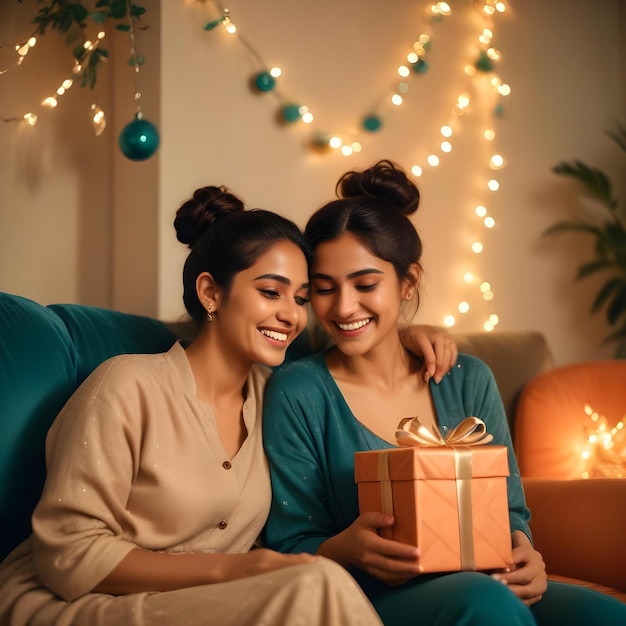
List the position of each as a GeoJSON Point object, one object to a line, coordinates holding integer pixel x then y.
{"type": "Point", "coordinates": [99, 334]}
{"type": "Point", "coordinates": [37, 376]}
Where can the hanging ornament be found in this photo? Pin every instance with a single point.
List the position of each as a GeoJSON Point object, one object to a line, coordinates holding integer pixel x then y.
{"type": "Point", "coordinates": [291, 113]}
{"type": "Point", "coordinates": [139, 139]}
{"type": "Point", "coordinates": [264, 82]}
{"type": "Point", "coordinates": [372, 123]}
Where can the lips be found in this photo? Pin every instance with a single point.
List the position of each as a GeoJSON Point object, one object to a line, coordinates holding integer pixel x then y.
{"type": "Point", "coordinates": [273, 334]}
{"type": "Point", "coordinates": [353, 325]}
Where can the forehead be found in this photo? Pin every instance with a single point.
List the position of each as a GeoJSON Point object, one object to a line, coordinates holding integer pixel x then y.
{"type": "Point", "coordinates": [283, 258]}
{"type": "Point", "coordinates": [345, 255]}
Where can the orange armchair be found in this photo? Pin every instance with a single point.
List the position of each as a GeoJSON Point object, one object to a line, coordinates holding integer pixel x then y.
{"type": "Point", "coordinates": [578, 525]}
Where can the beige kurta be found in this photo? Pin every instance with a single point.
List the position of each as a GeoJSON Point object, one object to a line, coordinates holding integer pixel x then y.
{"type": "Point", "coordinates": [134, 459]}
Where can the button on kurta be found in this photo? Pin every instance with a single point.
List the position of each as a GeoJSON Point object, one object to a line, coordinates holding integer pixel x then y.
{"type": "Point", "coordinates": [227, 464]}
{"type": "Point", "coordinates": [222, 524]}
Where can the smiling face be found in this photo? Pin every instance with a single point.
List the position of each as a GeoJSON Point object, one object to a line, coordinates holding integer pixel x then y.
{"type": "Point", "coordinates": [265, 308]}
{"type": "Point", "coordinates": [355, 295]}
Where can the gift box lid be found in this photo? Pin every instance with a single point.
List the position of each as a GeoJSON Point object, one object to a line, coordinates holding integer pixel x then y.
{"type": "Point", "coordinates": [433, 463]}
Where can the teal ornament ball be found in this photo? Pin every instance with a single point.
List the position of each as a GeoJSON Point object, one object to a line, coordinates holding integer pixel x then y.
{"type": "Point", "coordinates": [420, 66]}
{"type": "Point", "coordinates": [291, 113]}
{"type": "Point", "coordinates": [264, 81]}
{"type": "Point", "coordinates": [372, 123]}
{"type": "Point", "coordinates": [484, 63]}
{"type": "Point", "coordinates": [139, 139]}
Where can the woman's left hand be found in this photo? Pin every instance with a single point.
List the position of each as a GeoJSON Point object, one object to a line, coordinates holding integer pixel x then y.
{"type": "Point", "coordinates": [435, 345]}
{"type": "Point", "coordinates": [528, 580]}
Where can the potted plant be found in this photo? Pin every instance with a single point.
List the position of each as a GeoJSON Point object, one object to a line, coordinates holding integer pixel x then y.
{"type": "Point", "coordinates": [609, 233]}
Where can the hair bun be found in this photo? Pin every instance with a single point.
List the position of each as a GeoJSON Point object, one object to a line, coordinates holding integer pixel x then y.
{"type": "Point", "coordinates": [384, 181]}
{"type": "Point", "coordinates": [198, 213]}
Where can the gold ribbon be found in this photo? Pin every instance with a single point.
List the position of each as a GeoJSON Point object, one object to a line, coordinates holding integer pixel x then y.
{"type": "Point", "coordinates": [470, 432]}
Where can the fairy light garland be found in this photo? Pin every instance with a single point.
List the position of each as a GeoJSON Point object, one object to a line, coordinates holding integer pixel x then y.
{"type": "Point", "coordinates": [604, 451]}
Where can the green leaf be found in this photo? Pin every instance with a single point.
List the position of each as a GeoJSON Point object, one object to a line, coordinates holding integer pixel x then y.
{"type": "Point", "coordinates": [99, 16]}
{"type": "Point", "coordinates": [79, 13]}
{"type": "Point", "coordinates": [618, 135]}
{"type": "Point", "coordinates": [79, 52]}
{"type": "Point", "coordinates": [123, 27]}
{"type": "Point", "coordinates": [562, 227]}
{"type": "Point", "coordinates": [102, 3]}
{"type": "Point", "coordinates": [592, 267]}
{"type": "Point", "coordinates": [605, 293]}
{"type": "Point", "coordinates": [117, 9]}
{"type": "Point", "coordinates": [136, 10]}
{"type": "Point", "coordinates": [595, 181]}
{"type": "Point", "coordinates": [617, 308]}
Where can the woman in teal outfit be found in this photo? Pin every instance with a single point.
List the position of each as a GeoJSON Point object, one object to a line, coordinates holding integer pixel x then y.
{"type": "Point", "coordinates": [322, 409]}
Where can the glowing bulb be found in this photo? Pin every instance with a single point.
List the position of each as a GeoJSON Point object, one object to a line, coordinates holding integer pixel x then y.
{"type": "Point", "coordinates": [484, 287]}
{"type": "Point", "coordinates": [30, 119]}
{"type": "Point", "coordinates": [446, 146]}
{"type": "Point", "coordinates": [496, 162]}
{"type": "Point", "coordinates": [500, 7]}
{"type": "Point", "coordinates": [276, 72]}
{"type": "Point", "coordinates": [489, 134]}
{"type": "Point", "coordinates": [412, 58]}
{"type": "Point", "coordinates": [416, 170]}
{"type": "Point", "coordinates": [357, 147]}
{"type": "Point", "coordinates": [101, 35]}
{"type": "Point", "coordinates": [489, 222]}
{"type": "Point", "coordinates": [468, 277]}
{"type": "Point", "coordinates": [424, 38]}
{"type": "Point", "coordinates": [493, 54]}
{"type": "Point", "coordinates": [488, 10]}
{"type": "Point", "coordinates": [404, 71]}
{"type": "Point", "coordinates": [346, 150]}
{"type": "Point", "coordinates": [470, 70]}
{"type": "Point", "coordinates": [403, 87]}
{"type": "Point", "coordinates": [463, 100]}
{"type": "Point", "coordinates": [60, 91]}
{"type": "Point", "coordinates": [307, 117]}
{"type": "Point", "coordinates": [504, 90]}
{"type": "Point", "coordinates": [477, 247]}
{"type": "Point", "coordinates": [396, 99]}
{"type": "Point", "coordinates": [433, 160]}
{"type": "Point", "coordinates": [488, 295]}
{"type": "Point", "coordinates": [488, 327]}
{"type": "Point", "coordinates": [480, 210]}
{"type": "Point", "coordinates": [87, 45]}
{"type": "Point", "coordinates": [335, 142]}
{"type": "Point", "coordinates": [50, 102]}
{"type": "Point", "coordinates": [67, 83]}
{"type": "Point", "coordinates": [229, 26]}
{"type": "Point", "coordinates": [446, 131]}
{"type": "Point", "coordinates": [31, 42]}
{"type": "Point", "coordinates": [585, 454]}
{"type": "Point", "coordinates": [449, 321]}
{"type": "Point", "coordinates": [463, 307]}
{"type": "Point", "coordinates": [494, 319]}
{"type": "Point", "coordinates": [493, 185]}
{"type": "Point", "coordinates": [23, 50]}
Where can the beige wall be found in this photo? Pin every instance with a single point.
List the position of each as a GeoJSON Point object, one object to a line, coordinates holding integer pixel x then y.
{"type": "Point", "coordinates": [561, 58]}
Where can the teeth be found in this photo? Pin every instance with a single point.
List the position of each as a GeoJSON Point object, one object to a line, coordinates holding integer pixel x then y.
{"type": "Point", "coordinates": [355, 325]}
{"type": "Point", "coordinates": [274, 335]}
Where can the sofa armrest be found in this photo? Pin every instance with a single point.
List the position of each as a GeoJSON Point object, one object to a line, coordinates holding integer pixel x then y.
{"type": "Point", "coordinates": [578, 526]}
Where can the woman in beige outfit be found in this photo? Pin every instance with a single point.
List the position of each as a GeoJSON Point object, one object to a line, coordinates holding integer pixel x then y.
{"type": "Point", "coordinates": [157, 484]}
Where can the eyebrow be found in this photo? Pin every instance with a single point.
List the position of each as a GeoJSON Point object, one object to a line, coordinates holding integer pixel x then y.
{"type": "Point", "coordinates": [364, 272]}
{"type": "Point", "coordinates": [281, 279]}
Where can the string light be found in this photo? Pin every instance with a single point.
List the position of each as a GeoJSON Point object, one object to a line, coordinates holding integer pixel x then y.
{"type": "Point", "coordinates": [604, 450]}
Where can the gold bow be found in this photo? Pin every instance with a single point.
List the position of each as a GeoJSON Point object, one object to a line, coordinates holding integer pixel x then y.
{"type": "Point", "coordinates": [470, 432]}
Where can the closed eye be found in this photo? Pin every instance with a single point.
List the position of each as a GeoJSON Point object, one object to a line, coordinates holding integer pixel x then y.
{"type": "Point", "coordinates": [301, 301]}
{"type": "Point", "coordinates": [270, 293]}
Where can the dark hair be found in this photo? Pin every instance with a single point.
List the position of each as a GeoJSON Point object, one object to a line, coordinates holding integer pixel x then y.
{"type": "Point", "coordinates": [226, 239]}
{"type": "Point", "coordinates": [373, 205]}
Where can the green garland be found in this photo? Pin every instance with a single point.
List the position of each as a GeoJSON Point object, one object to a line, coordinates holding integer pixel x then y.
{"type": "Point", "coordinates": [65, 16]}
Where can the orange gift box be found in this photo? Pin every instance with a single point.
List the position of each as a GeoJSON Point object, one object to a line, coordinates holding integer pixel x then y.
{"type": "Point", "coordinates": [448, 500]}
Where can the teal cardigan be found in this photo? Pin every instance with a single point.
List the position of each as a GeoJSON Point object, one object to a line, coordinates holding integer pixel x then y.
{"type": "Point", "coordinates": [310, 437]}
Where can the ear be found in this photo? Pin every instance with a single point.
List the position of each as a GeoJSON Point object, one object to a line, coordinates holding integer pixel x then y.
{"type": "Point", "coordinates": [209, 292]}
{"type": "Point", "coordinates": [410, 283]}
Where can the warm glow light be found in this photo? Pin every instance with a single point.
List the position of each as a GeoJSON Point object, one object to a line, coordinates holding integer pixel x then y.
{"type": "Point", "coordinates": [432, 160]}
{"type": "Point", "coordinates": [480, 210]}
{"type": "Point", "coordinates": [50, 102]}
{"type": "Point", "coordinates": [446, 146]}
{"type": "Point", "coordinates": [484, 287]}
{"type": "Point", "coordinates": [276, 72]}
{"type": "Point", "coordinates": [468, 277]}
{"type": "Point", "coordinates": [416, 170]}
{"type": "Point", "coordinates": [357, 147]}
{"type": "Point", "coordinates": [488, 295]}
{"type": "Point", "coordinates": [335, 142]}
{"type": "Point", "coordinates": [496, 162]}
{"type": "Point", "coordinates": [477, 247]}
{"type": "Point", "coordinates": [412, 58]}
{"type": "Point", "coordinates": [346, 150]}
{"type": "Point", "coordinates": [493, 185]}
{"type": "Point", "coordinates": [449, 321]}
{"type": "Point", "coordinates": [396, 99]}
{"type": "Point", "coordinates": [446, 131]}
{"type": "Point", "coordinates": [489, 222]}
{"type": "Point", "coordinates": [307, 117]}
{"type": "Point", "coordinates": [463, 307]}
{"type": "Point", "coordinates": [404, 71]}
{"type": "Point", "coordinates": [489, 134]}
{"type": "Point", "coordinates": [30, 119]}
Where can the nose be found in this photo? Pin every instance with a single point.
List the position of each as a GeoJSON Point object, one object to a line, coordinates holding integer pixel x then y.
{"type": "Point", "coordinates": [345, 303]}
{"type": "Point", "coordinates": [288, 312]}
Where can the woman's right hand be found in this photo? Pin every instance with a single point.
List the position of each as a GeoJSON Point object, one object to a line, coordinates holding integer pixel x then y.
{"type": "Point", "coordinates": [360, 545]}
{"type": "Point", "coordinates": [259, 561]}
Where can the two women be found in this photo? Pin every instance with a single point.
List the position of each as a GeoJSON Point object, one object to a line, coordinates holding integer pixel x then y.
{"type": "Point", "coordinates": [324, 408]}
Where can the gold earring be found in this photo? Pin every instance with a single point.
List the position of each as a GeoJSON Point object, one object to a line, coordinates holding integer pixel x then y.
{"type": "Point", "coordinates": [209, 314]}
